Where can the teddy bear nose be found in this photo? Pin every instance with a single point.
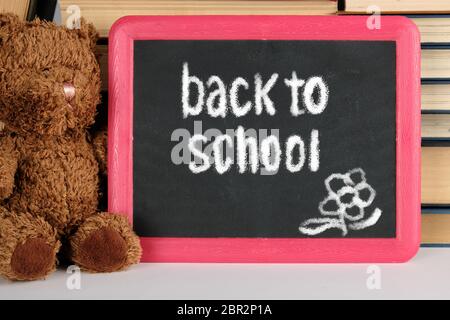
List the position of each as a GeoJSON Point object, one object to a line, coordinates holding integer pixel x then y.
{"type": "Point", "coordinates": [69, 91]}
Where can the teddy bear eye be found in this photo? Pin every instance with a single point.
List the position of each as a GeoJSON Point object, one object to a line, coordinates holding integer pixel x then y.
{"type": "Point", "coordinates": [46, 71]}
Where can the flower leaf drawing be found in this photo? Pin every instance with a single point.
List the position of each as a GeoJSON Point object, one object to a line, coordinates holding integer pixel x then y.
{"type": "Point", "coordinates": [315, 226]}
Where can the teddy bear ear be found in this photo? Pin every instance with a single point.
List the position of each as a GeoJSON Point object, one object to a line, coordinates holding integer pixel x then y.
{"type": "Point", "coordinates": [87, 31]}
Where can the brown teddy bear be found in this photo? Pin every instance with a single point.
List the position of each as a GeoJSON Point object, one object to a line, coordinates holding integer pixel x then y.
{"type": "Point", "coordinates": [49, 91]}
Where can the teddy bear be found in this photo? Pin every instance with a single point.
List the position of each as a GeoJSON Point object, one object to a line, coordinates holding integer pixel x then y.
{"type": "Point", "coordinates": [49, 163]}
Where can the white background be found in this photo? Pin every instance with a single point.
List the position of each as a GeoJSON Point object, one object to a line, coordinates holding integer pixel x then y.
{"type": "Point", "coordinates": [425, 276]}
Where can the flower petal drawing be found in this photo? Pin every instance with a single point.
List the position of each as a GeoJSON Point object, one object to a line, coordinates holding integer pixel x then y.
{"type": "Point", "coordinates": [354, 213]}
{"type": "Point", "coordinates": [366, 194]}
{"type": "Point", "coordinates": [335, 182]}
{"type": "Point", "coordinates": [357, 175]}
{"type": "Point", "coordinates": [329, 207]}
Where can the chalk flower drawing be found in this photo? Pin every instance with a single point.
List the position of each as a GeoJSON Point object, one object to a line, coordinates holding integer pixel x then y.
{"type": "Point", "coordinates": [349, 195]}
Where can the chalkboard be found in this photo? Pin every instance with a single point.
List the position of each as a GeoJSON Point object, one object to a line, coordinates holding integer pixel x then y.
{"type": "Point", "coordinates": [265, 138]}
{"type": "Point", "coordinates": [356, 129]}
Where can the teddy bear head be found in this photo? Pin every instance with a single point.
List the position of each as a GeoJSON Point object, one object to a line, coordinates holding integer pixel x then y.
{"type": "Point", "coordinates": [49, 77]}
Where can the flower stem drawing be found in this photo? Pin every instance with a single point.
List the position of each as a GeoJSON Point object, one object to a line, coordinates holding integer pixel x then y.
{"type": "Point", "coordinates": [349, 195]}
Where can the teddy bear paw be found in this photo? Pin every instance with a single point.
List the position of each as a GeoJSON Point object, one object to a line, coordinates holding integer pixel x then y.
{"type": "Point", "coordinates": [104, 250]}
{"type": "Point", "coordinates": [34, 259]}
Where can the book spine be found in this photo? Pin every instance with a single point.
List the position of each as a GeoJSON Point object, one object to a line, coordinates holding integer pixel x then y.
{"type": "Point", "coordinates": [435, 227]}
{"type": "Point", "coordinates": [32, 10]}
{"type": "Point", "coordinates": [42, 9]}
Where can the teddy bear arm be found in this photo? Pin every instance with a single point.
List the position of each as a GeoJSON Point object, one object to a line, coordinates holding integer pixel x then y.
{"type": "Point", "coordinates": [9, 158]}
{"type": "Point", "coordinates": [100, 144]}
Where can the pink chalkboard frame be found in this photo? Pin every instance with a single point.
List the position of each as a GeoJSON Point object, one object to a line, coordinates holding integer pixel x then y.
{"type": "Point", "coordinates": [295, 250]}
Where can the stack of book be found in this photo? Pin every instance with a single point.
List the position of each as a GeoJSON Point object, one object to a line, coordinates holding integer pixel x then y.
{"type": "Point", "coordinates": [431, 16]}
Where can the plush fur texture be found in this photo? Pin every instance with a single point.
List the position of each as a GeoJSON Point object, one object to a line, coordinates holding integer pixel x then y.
{"type": "Point", "coordinates": [16, 230]}
{"type": "Point", "coordinates": [100, 143]}
{"type": "Point", "coordinates": [104, 244]}
{"type": "Point", "coordinates": [49, 165]}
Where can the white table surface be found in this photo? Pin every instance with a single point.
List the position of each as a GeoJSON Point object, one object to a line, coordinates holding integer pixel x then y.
{"type": "Point", "coordinates": [427, 276]}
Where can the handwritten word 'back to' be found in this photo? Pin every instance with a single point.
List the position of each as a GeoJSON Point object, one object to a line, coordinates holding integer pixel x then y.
{"type": "Point", "coordinates": [220, 100]}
